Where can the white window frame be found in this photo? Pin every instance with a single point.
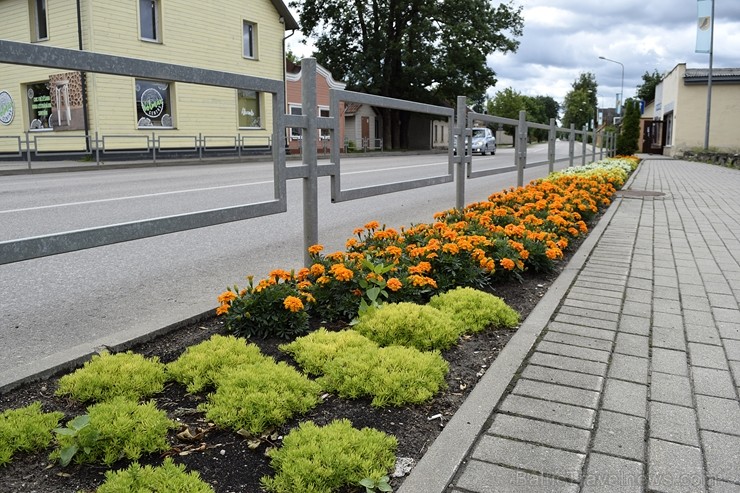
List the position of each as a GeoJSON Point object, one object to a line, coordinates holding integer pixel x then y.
{"type": "Point", "coordinates": [295, 109]}
{"type": "Point", "coordinates": [324, 133]}
{"type": "Point", "coordinates": [249, 40]}
{"type": "Point", "coordinates": [259, 108]}
{"type": "Point", "coordinates": [157, 12]}
{"type": "Point", "coordinates": [37, 18]}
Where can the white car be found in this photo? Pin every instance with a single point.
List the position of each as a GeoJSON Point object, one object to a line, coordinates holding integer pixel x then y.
{"type": "Point", "coordinates": [483, 141]}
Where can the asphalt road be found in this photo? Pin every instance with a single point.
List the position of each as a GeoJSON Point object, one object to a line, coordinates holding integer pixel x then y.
{"type": "Point", "coordinates": [59, 308]}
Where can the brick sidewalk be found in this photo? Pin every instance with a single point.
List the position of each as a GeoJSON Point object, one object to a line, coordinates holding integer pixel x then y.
{"type": "Point", "coordinates": [630, 381]}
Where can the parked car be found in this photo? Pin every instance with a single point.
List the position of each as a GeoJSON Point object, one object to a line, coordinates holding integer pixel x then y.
{"type": "Point", "coordinates": [483, 141]}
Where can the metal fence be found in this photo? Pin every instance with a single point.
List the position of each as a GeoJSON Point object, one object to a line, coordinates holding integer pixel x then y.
{"type": "Point", "coordinates": [309, 171]}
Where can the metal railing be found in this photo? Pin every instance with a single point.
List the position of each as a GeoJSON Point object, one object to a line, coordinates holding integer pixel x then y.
{"type": "Point", "coordinates": [309, 171]}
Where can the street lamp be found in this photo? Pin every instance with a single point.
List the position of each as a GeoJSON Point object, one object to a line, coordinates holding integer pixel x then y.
{"type": "Point", "coordinates": [621, 94]}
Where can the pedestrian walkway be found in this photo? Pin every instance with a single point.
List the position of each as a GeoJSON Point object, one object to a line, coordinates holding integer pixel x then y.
{"type": "Point", "coordinates": [625, 377]}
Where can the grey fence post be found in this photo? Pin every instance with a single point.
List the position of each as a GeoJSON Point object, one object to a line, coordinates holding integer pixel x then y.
{"type": "Point", "coordinates": [572, 143]}
{"type": "Point", "coordinates": [593, 147]}
{"type": "Point", "coordinates": [200, 146]}
{"type": "Point", "coordinates": [310, 161]}
{"type": "Point", "coordinates": [521, 148]}
{"type": "Point", "coordinates": [97, 149]}
{"type": "Point", "coordinates": [154, 148]}
{"type": "Point", "coordinates": [551, 146]}
{"type": "Point", "coordinates": [28, 148]}
{"type": "Point", "coordinates": [584, 138]}
{"type": "Point", "coordinates": [601, 145]}
{"type": "Point", "coordinates": [461, 146]}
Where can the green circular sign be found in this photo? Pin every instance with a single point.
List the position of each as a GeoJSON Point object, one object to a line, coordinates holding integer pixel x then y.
{"type": "Point", "coordinates": [7, 108]}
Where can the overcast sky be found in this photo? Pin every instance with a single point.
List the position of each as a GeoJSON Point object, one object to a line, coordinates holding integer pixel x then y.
{"type": "Point", "coordinates": [563, 38]}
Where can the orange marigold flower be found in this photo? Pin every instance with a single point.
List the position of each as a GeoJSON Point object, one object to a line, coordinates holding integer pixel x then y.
{"type": "Point", "coordinates": [336, 256]}
{"type": "Point", "coordinates": [358, 231]}
{"type": "Point", "coordinates": [303, 285]}
{"type": "Point", "coordinates": [315, 249]}
{"type": "Point", "coordinates": [350, 243]}
{"type": "Point", "coordinates": [451, 248]}
{"type": "Point", "coordinates": [553, 253]}
{"type": "Point", "coordinates": [341, 273]}
{"type": "Point", "coordinates": [317, 270]}
{"type": "Point", "coordinates": [280, 274]}
{"type": "Point", "coordinates": [222, 309]}
{"type": "Point", "coordinates": [420, 268]}
{"type": "Point", "coordinates": [309, 297]}
{"type": "Point", "coordinates": [243, 292]}
{"type": "Point", "coordinates": [372, 225]}
{"type": "Point", "coordinates": [226, 297]}
{"type": "Point", "coordinates": [524, 254]}
{"type": "Point", "coordinates": [323, 280]}
{"type": "Point", "coordinates": [394, 251]}
{"type": "Point", "coordinates": [394, 284]}
{"type": "Point", "coordinates": [507, 263]}
{"type": "Point", "coordinates": [293, 303]}
{"type": "Point", "coordinates": [303, 274]}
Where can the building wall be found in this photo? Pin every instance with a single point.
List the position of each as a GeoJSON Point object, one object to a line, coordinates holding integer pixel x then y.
{"type": "Point", "coordinates": [192, 34]}
{"type": "Point", "coordinates": [353, 127]}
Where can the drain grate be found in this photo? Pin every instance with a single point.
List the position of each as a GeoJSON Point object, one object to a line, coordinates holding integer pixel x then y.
{"type": "Point", "coordinates": [639, 194]}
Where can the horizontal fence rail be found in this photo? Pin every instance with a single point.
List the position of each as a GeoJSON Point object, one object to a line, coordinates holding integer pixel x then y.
{"type": "Point", "coordinates": [460, 166]}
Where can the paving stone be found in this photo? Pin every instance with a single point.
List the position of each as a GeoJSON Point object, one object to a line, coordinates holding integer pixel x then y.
{"type": "Point", "coordinates": [729, 330]}
{"type": "Point", "coordinates": [673, 423]}
{"type": "Point", "coordinates": [621, 435]}
{"type": "Point", "coordinates": [532, 430]}
{"type": "Point", "coordinates": [590, 296]}
{"type": "Point", "coordinates": [537, 458]}
{"type": "Point", "coordinates": [717, 383]}
{"type": "Point", "coordinates": [587, 342]}
{"type": "Point", "coordinates": [722, 453]}
{"type": "Point", "coordinates": [669, 361]}
{"type": "Point", "coordinates": [720, 415]}
{"type": "Point", "coordinates": [708, 356]}
{"type": "Point", "coordinates": [669, 338]}
{"type": "Point", "coordinates": [726, 315]}
{"type": "Point", "coordinates": [573, 351]}
{"type": "Point", "coordinates": [568, 363]}
{"type": "Point", "coordinates": [674, 468]}
{"type": "Point", "coordinates": [557, 393]}
{"type": "Point", "coordinates": [562, 377]}
{"type": "Point", "coordinates": [698, 317]}
{"type": "Point", "coordinates": [579, 330]}
{"type": "Point", "coordinates": [670, 320]}
{"type": "Point", "coordinates": [634, 325]}
{"type": "Point", "coordinates": [722, 301]}
{"type": "Point", "coordinates": [700, 303]}
{"type": "Point", "coordinates": [596, 286]}
{"type": "Point", "coordinates": [637, 295]}
{"type": "Point", "coordinates": [717, 486]}
{"type": "Point", "coordinates": [702, 334]}
{"type": "Point", "coordinates": [636, 309]}
{"type": "Point", "coordinates": [632, 368]}
{"type": "Point", "coordinates": [666, 306]}
{"type": "Point", "coordinates": [735, 368]}
{"type": "Point", "coordinates": [549, 411]}
{"type": "Point", "coordinates": [692, 290]}
{"type": "Point", "coordinates": [669, 281]}
{"type": "Point", "coordinates": [594, 307]}
{"type": "Point", "coordinates": [481, 477]}
{"type": "Point", "coordinates": [732, 347]}
{"type": "Point", "coordinates": [625, 397]}
{"type": "Point", "coordinates": [636, 282]}
{"type": "Point", "coordinates": [672, 389]}
{"type": "Point", "coordinates": [606, 474]}
{"type": "Point", "coordinates": [666, 293]}
{"type": "Point", "coordinates": [576, 316]}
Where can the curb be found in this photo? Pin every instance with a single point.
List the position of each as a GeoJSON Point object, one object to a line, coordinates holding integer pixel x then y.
{"type": "Point", "coordinates": [448, 452]}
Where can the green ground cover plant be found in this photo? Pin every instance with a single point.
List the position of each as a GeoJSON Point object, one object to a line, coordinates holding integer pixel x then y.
{"type": "Point", "coordinates": [167, 478]}
{"type": "Point", "coordinates": [475, 310]}
{"type": "Point", "coordinates": [317, 459]}
{"type": "Point", "coordinates": [107, 376]}
{"type": "Point", "coordinates": [26, 429]}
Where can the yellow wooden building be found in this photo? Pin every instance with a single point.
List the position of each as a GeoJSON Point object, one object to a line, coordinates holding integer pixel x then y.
{"type": "Point", "coordinates": [244, 37]}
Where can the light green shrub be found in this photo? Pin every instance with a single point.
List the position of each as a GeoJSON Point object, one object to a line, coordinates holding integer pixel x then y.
{"type": "Point", "coordinates": [25, 430]}
{"type": "Point", "coordinates": [124, 429]}
{"type": "Point", "coordinates": [107, 376]}
{"type": "Point", "coordinates": [354, 367]}
{"type": "Point", "coordinates": [201, 365]}
{"type": "Point", "coordinates": [475, 310]}
{"type": "Point", "coordinates": [317, 459]}
{"type": "Point", "coordinates": [167, 478]}
{"type": "Point", "coordinates": [256, 397]}
{"type": "Point", "coordinates": [407, 324]}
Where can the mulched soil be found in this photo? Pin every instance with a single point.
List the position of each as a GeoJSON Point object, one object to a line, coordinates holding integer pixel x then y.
{"type": "Point", "coordinates": [223, 458]}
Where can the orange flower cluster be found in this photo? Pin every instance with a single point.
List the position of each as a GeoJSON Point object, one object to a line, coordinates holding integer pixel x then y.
{"type": "Point", "coordinates": [293, 303]}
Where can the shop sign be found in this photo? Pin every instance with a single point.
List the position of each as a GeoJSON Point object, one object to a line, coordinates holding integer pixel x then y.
{"type": "Point", "coordinates": [7, 109]}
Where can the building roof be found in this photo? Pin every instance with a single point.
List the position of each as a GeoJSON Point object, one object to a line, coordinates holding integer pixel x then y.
{"type": "Point", "coordinates": [719, 75]}
{"type": "Point", "coordinates": [288, 20]}
{"type": "Point", "coordinates": [352, 108]}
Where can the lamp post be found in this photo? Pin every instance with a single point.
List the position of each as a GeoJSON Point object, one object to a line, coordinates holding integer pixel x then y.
{"type": "Point", "coordinates": [621, 94]}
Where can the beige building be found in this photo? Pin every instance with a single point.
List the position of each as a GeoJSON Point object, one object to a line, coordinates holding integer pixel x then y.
{"type": "Point", "coordinates": [64, 107]}
{"type": "Point", "coordinates": [681, 107]}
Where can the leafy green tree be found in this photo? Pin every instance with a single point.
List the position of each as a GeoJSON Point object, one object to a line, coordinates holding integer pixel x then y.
{"type": "Point", "coordinates": [507, 104]}
{"type": "Point", "coordinates": [580, 102]}
{"type": "Point", "coordinates": [422, 50]}
{"type": "Point", "coordinates": [627, 140]}
{"type": "Point", "coordinates": [646, 91]}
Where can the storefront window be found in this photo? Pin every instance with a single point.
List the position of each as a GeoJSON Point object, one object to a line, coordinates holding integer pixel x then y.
{"type": "Point", "coordinates": [153, 104]}
{"type": "Point", "coordinates": [39, 105]}
{"type": "Point", "coordinates": [249, 109]}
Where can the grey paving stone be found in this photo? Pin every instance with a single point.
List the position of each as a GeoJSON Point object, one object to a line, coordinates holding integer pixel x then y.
{"type": "Point", "coordinates": [735, 369]}
{"type": "Point", "coordinates": [632, 368]}
{"type": "Point", "coordinates": [722, 453]}
{"type": "Point", "coordinates": [700, 303]}
{"type": "Point", "coordinates": [621, 435]}
{"type": "Point", "coordinates": [598, 287]}
{"type": "Point", "coordinates": [717, 486]}
{"type": "Point", "coordinates": [562, 377]}
{"type": "Point", "coordinates": [579, 295]}
{"type": "Point", "coordinates": [669, 320]}
{"type": "Point", "coordinates": [666, 293]}
{"type": "Point", "coordinates": [625, 397]}
{"type": "Point", "coordinates": [674, 468]}
{"type": "Point", "coordinates": [557, 393]}
{"type": "Point", "coordinates": [605, 474]}
{"type": "Point", "coordinates": [637, 295]}
{"type": "Point", "coordinates": [692, 290]}
{"type": "Point", "coordinates": [672, 389]}
{"type": "Point", "coordinates": [669, 338]}
{"type": "Point", "coordinates": [666, 306]}
{"type": "Point", "coordinates": [592, 307]}
{"type": "Point", "coordinates": [579, 317]}
{"type": "Point", "coordinates": [664, 271]}
{"type": "Point", "coordinates": [580, 330]}
{"type": "Point", "coordinates": [481, 477]}
{"type": "Point", "coordinates": [573, 351]}
{"type": "Point", "coordinates": [708, 356]}
{"type": "Point", "coordinates": [669, 361]}
{"type": "Point", "coordinates": [717, 383]}
{"type": "Point", "coordinates": [636, 282]}
{"type": "Point", "coordinates": [636, 309]}
{"type": "Point", "coordinates": [729, 330]}
{"type": "Point", "coordinates": [549, 411]}
{"type": "Point", "coordinates": [536, 458]}
{"type": "Point", "coordinates": [669, 281]}
{"type": "Point", "coordinates": [532, 430]}
{"type": "Point", "coordinates": [673, 423]}
{"type": "Point", "coordinates": [726, 315]}
{"type": "Point", "coordinates": [717, 414]}
{"type": "Point", "coordinates": [635, 325]}
{"type": "Point", "coordinates": [702, 334]}
{"type": "Point", "coordinates": [568, 363]}
{"type": "Point", "coordinates": [587, 342]}
{"type": "Point", "coordinates": [697, 317]}
{"type": "Point", "coordinates": [632, 344]}
{"type": "Point", "coordinates": [732, 347]}
{"type": "Point", "coordinates": [719, 300]}
{"type": "Point", "coordinates": [719, 287]}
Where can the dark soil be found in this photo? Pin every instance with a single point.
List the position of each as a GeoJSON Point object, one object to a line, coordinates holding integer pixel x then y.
{"type": "Point", "coordinates": [223, 458]}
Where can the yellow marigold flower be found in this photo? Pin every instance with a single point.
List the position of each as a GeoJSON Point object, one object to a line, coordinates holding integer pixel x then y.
{"type": "Point", "coordinates": [280, 274]}
{"type": "Point", "coordinates": [323, 280]}
{"type": "Point", "coordinates": [303, 285]}
{"type": "Point", "coordinates": [394, 284]}
{"type": "Point", "coordinates": [226, 297]}
{"type": "Point", "coordinates": [315, 249]}
{"type": "Point", "coordinates": [372, 225]}
{"type": "Point", "coordinates": [507, 263]}
{"type": "Point", "coordinates": [317, 270]}
{"type": "Point", "coordinates": [222, 309]}
{"type": "Point", "coordinates": [293, 303]}
{"type": "Point", "coordinates": [309, 297]}
{"type": "Point", "coordinates": [520, 265]}
{"type": "Point", "coordinates": [341, 273]}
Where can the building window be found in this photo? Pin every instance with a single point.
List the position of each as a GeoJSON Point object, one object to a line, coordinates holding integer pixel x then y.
{"type": "Point", "coordinates": [250, 39]}
{"type": "Point", "coordinates": [39, 26]}
{"type": "Point", "coordinates": [149, 16]}
{"type": "Point", "coordinates": [295, 109]}
{"type": "Point", "coordinates": [154, 104]}
{"type": "Point", "coordinates": [324, 133]}
{"type": "Point", "coordinates": [249, 109]}
{"type": "Point", "coordinates": [669, 129]}
{"type": "Point", "coordinates": [39, 105]}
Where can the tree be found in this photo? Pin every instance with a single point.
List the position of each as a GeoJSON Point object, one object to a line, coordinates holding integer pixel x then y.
{"type": "Point", "coordinates": [422, 50]}
{"type": "Point", "coordinates": [580, 102]}
{"type": "Point", "coordinates": [627, 140]}
{"type": "Point", "coordinates": [507, 104]}
{"type": "Point", "coordinates": [646, 91]}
